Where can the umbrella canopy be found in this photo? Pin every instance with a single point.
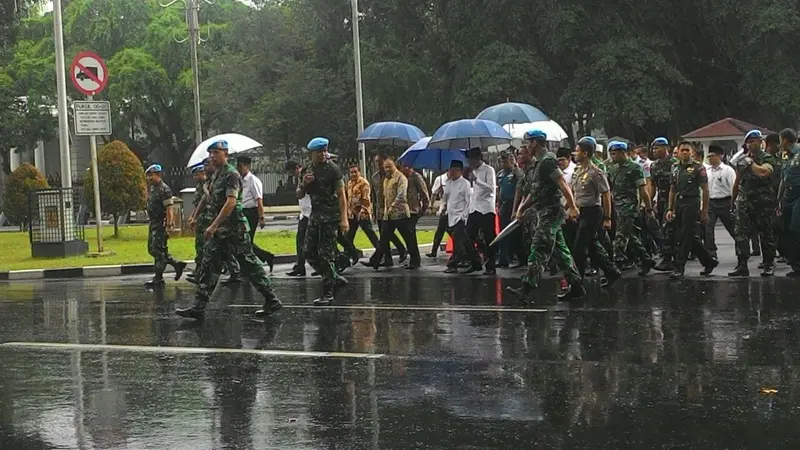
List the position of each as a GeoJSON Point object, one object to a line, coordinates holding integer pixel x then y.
{"type": "Point", "coordinates": [553, 130]}
{"type": "Point", "coordinates": [237, 143]}
{"type": "Point", "coordinates": [419, 156]}
{"type": "Point", "coordinates": [469, 133]}
{"type": "Point", "coordinates": [391, 133]}
{"type": "Point", "coordinates": [506, 113]}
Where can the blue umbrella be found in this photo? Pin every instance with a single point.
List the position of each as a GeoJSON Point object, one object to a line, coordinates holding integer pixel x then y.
{"type": "Point", "coordinates": [506, 113]}
{"type": "Point", "coordinates": [391, 133]}
{"type": "Point", "coordinates": [419, 156]}
{"type": "Point", "coordinates": [469, 133]}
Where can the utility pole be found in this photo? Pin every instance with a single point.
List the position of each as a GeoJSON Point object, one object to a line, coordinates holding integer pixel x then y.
{"type": "Point", "coordinates": [193, 23]}
{"type": "Point", "coordinates": [61, 87]}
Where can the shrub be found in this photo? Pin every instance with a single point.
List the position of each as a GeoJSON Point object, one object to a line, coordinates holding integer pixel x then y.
{"type": "Point", "coordinates": [20, 183]}
{"type": "Point", "coordinates": [122, 182]}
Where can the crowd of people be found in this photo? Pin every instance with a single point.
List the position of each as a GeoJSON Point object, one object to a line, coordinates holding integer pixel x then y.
{"type": "Point", "coordinates": [567, 211]}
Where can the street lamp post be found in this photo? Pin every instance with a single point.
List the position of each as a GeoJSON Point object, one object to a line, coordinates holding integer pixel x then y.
{"type": "Point", "coordinates": [362, 157]}
{"type": "Point", "coordinates": [193, 24]}
{"type": "Point", "coordinates": [61, 87]}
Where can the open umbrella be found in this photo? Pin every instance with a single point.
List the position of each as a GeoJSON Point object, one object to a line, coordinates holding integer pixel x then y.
{"type": "Point", "coordinates": [391, 133]}
{"type": "Point", "coordinates": [469, 133]}
{"type": "Point", "coordinates": [237, 143]}
{"type": "Point", "coordinates": [506, 113]}
{"type": "Point", "coordinates": [553, 130]}
{"type": "Point", "coordinates": [419, 156]}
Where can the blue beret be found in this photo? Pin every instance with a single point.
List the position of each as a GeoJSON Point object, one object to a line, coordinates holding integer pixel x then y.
{"type": "Point", "coordinates": [218, 145]}
{"type": "Point", "coordinates": [588, 140]}
{"type": "Point", "coordinates": [617, 145]}
{"type": "Point", "coordinates": [753, 134]}
{"type": "Point", "coordinates": [660, 141]}
{"type": "Point", "coordinates": [535, 134]}
{"type": "Point", "coordinates": [317, 144]}
{"type": "Point", "coordinates": [197, 168]}
{"type": "Point", "coordinates": [155, 168]}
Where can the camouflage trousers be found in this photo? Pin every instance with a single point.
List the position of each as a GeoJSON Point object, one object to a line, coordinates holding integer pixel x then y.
{"type": "Point", "coordinates": [547, 241]}
{"type": "Point", "coordinates": [751, 220]}
{"type": "Point", "coordinates": [157, 248]}
{"type": "Point", "coordinates": [320, 249]}
{"type": "Point", "coordinates": [231, 264]}
{"type": "Point", "coordinates": [628, 238]}
{"type": "Point", "coordinates": [223, 246]}
{"type": "Point", "coordinates": [668, 249]}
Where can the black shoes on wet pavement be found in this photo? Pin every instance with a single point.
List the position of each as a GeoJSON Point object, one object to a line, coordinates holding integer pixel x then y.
{"type": "Point", "coordinates": [769, 270]}
{"type": "Point", "coordinates": [647, 266]}
{"type": "Point", "coordinates": [179, 268]}
{"type": "Point", "coordinates": [157, 281]}
{"type": "Point", "coordinates": [196, 311]}
{"type": "Point", "coordinates": [296, 273]}
{"type": "Point", "coordinates": [610, 279]}
{"type": "Point", "coordinates": [271, 306]}
{"type": "Point", "coordinates": [741, 269]}
{"type": "Point", "coordinates": [707, 270]}
{"type": "Point", "coordinates": [329, 292]}
{"type": "Point", "coordinates": [574, 290]}
{"type": "Point", "coordinates": [665, 265]}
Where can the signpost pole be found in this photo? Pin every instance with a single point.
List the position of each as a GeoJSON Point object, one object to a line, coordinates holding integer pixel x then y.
{"type": "Point", "coordinates": [96, 186]}
{"type": "Point", "coordinates": [61, 88]}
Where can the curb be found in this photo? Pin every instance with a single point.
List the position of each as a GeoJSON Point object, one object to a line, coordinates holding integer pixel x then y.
{"type": "Point", "coordinates": [123, 269]}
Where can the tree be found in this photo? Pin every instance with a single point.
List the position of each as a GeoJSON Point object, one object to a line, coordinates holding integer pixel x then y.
{"type": "Point", "coordinates": [122, 181]}
{"type": "Point", "coordinates": [22, 181]}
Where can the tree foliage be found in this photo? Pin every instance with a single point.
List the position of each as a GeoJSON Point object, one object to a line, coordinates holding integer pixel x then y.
{"type": "Point", "coordinates": [122, 181]}
{"type": "Point", "coordinates": [22, 181]}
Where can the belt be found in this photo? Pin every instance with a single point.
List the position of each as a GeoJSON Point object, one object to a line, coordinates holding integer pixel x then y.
{"type": "Point", "coordinates": [721, 198]}
{"type": "Point", "coordinates": [687, 197]}
{"type": "Point", "coordinates": [250, 209]}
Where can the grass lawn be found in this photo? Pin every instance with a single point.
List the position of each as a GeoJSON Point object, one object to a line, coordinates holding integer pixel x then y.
{"type": "Point", "coordinates": [131, 248]}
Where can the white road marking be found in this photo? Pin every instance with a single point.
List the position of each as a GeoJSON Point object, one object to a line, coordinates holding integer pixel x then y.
{"type": "Point", "coordinates": [183, 350]}
{"type": "Point", "coordinates": [407, 308]}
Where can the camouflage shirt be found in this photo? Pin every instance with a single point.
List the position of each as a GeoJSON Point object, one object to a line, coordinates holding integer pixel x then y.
{"type": "Point", "coordinates": [324, 200]}
{"type": "Point", "coordinates": [159, 198]}
{"type": "Point", "coordinates": [754, 189]}
{"type": "Point", "coordinates": [542, 184]}
{"type": "Point", "coordinates": [661, 174]}
{"type": "Point", "coordinates": [226, 183]}
{"type": "Point", "coordinates": [687, 179]}
{"type": "Point", "coordinates": [198, 193]}
{"type": "Point", "coordinates": [791, 178]}
{"type": "Point", "coordinates": [625, 179]}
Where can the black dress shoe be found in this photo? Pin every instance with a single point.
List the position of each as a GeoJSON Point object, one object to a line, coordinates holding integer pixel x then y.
{"type": "Point", "coordinates": [296, 273]}
{"type": "Point", "coordinates": [472, 269]}
{"type": "Point", "coordinates": [269, 308]}
{"type": "Point", "coordinates": [707, 270]}
{"type": "Point", "coordinates": [431, 255]}
{"type": "Point", "coordinates": [155, 282]}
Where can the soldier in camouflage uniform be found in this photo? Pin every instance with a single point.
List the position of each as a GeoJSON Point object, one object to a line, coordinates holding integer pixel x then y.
{"type": "Point", "coordinates": [159, 210]}
{"type": "Point", "coordinates": [789, 201]}
{"type": "Point", "coordinates": [227, 235]}
{"type": "Point", "coordinates": [660, 181]}
{"type": "Point", "coordinates": [627, 182]}
{"type": "Point", "coordinates": [322, 181]}
{"type": "Point", "coordinates": [756, 202]}
{"type": "Point", "coordinates": [773, 143]}
{"type": "Point", "coordinates": [688, 204]}
{"type": "Point", "coordinates": [199, 176]}
{"type": "Point", "coordinates": [544, 186]}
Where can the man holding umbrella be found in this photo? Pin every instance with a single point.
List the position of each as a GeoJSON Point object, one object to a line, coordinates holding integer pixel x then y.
{"type": "Point", "coordinates": [544, 187]}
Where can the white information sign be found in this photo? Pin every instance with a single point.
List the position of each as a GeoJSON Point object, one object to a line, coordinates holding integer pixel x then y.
{"type": "Point", "coordinates": [92, 118]}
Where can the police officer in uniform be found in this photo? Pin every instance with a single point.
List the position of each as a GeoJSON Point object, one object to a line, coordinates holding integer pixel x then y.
{"type": "Point", "coordinates": [507, 179]}
{"type": "Point", "coordinates": [627, 182]}
{"type": "Point", "coordinates": [756, 203]}
{"type": "Point", "coordinates": [660, 183]}
{"type": "Point", "coordinates": [322, 180]}
{"type": "Point", "coordinates": [544, 188]}
{"type": "Point", "coordinates": [686, 206]}
{"type": "Point", "coordinates": [227, 235]}
{"type": "Point", "coordinates": [159, 210]}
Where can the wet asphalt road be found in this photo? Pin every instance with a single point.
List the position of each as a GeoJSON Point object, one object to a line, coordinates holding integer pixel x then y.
{"type": "Point", "coordinates": [404, 361]}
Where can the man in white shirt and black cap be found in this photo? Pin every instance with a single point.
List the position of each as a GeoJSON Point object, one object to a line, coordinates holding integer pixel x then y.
{"type": "Point", "coordinates": [457, 199]}
{"type": "Point", "coordinates": [253, 206]}
{"type": "Point", "coordinates": [482, 209]}
{"type": "Point", "coordinates": [721, 179]}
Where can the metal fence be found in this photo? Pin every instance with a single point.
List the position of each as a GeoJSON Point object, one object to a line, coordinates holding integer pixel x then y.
{"type": "Point", "coordinates": [55, 215]}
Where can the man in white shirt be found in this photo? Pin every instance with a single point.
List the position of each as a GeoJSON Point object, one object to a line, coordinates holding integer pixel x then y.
{"type": "Point", "coordinates": [253, 206]}
{"type": "Point", "coordinates": [457, 204]}
{"type": "Point", "coordinates": [299, 270]}
{"type": "Point", "coordinates": [565, 163]}
{"type": "Point", "coordinates": [721, 178]}
{"type": "Point", "coordinates": [437, 192]}
{"type": "Point", "coordinates": [482, 210]}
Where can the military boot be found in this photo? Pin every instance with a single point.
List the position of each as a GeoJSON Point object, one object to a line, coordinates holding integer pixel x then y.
{"type": "Point", "coordinates": [666, 265]}
{"type": "Point", "coordinates": [158, 280]}
{"type": "Point", "coordinates": [647, 265]}
{"type": "Point", "coordinates": [271, 305]}
{"type": "Point", "coordinates": [769, 269]}
{"type": "Point", "coordinates": [524, 293]}
{"type": "Point", "coordinates": [573, 290]}
{"type": "Point", "coordinates": [179, 266]}
{"type": "Point", "coordinates": [196, 311]}
{"type": "Point", "coordinates": [741, 269]}
{"type": "Point", "coordinates": [328, 290]}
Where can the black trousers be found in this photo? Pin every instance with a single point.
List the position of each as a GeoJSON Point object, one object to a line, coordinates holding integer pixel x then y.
{"type": "Point", "coordinates": [251, 214]}
{"type": "Point", "coordinates": [482, 224]}
{"type": "Point", "coordinates": [441, 227]}
{"type": "Point", "coordinates": [411, 242]}
{"type": "Point", "coordinates": [366, 227]}
{"type": "Point", "coordinates": [463, 247]}
{"type": "Point", "coordinates": [387, 232]}
{"type": "Point", "coordinates": [302, 227]}
{"type": "Point", "coordinates": [687, 213]}
{"type": "Point", "coordinates": [719, 209]}
{"type": "Point", "coordinates": [586, 242]}
{"type": "Point", "coordinates": [398, 244]}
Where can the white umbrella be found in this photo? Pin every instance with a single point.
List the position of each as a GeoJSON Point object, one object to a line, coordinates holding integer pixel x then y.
{"type": "Point", "coordinates": [517, 130]}
{"type": "Point", "coordinates": [237, 143]}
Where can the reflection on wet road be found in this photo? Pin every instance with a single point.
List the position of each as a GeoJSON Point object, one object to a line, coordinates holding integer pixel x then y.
{"type": "Point", "coordinates": [401, 363]}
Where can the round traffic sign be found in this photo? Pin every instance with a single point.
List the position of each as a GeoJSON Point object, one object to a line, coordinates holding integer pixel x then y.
{"type": "Point", "coordinates": [89, 73]}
